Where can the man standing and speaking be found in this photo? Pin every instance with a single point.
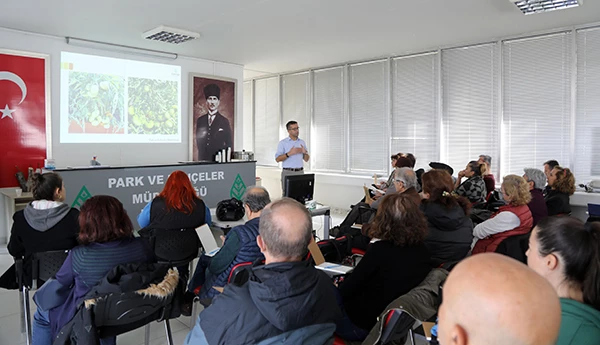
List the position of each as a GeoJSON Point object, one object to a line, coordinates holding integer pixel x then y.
{"type": "Point", "coordinates": [213, 132]}
{"type": "Point", "coordinates": [291, 151]}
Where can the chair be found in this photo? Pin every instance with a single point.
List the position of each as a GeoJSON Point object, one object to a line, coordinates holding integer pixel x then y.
{"type": "Point", "coordinates": [176, 248]}
{"type": "Point", "coordinates": [116, 313]}
{"type": "Point", "coordinates": [515, 247]}
{"type": "Point", "coordinates": [397, 327]}
{"type": "Point", "coordinates": [44, 266]}
{"type": "Point", "coordinates": [239, 273]}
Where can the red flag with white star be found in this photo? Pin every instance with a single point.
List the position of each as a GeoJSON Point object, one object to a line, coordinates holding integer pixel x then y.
{"type": "Point", "coordinates": [22, 115]}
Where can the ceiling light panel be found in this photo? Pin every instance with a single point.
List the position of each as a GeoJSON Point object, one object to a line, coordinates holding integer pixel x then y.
{"type": "Point", "coordinates": [538, 6]}
{"type": "Point", "coordinates": [170, 35]}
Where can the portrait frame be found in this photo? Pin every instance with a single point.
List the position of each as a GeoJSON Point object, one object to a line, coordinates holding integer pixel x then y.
{"type": "Point", "coordinates": [198, 107]}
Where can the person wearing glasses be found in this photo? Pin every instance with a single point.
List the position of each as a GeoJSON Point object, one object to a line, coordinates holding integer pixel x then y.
{"type": "Point", "coordinates": [292, 152]}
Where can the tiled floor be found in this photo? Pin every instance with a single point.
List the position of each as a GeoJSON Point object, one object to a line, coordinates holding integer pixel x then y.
{"type": "Point", "coordinates": [10, 326]}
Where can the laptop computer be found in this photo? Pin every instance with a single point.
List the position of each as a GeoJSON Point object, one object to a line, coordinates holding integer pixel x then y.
{"type": "Point", "coordinates": [208, 240]}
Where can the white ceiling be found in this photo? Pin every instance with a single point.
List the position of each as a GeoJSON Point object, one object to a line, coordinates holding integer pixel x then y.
{"type": "Point", "coordinates": [273, 36]}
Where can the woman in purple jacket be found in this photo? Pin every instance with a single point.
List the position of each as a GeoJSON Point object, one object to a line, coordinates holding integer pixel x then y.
{"type": "Point", "coordinates": [106, 240]}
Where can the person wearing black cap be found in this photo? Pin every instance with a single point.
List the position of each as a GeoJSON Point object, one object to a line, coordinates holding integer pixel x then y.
{"type": "Point", "coordinates": [213, 132]}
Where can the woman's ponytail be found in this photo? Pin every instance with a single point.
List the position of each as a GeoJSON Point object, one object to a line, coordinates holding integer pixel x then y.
{"type": "Point", "coordinates": [591, 282]}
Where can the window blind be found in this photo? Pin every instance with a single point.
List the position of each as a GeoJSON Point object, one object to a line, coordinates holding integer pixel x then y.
{"type": "Point", "coordinates": [266, 120]}
{"type": "Point", "coordinates": [415, 118]}
{"type": "Point", "coordinates": [368, 118]}
{"type": "Point", "coordinates": [248, 141]}
{"type": "Point", "coordinates": [537, 102]}
{"type": "Point", "coordinates": [470, 104]}
{"type": "Point", "coordinates": [328, 139]}
{"type": "Point", "coordinates": [586, 163]}
{"type": "Point", "coordinates": [295, 101]}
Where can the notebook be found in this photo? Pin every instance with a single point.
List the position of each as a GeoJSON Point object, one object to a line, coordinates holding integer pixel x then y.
{"type": "Point", "coordinates": [334, 268]}
{"type": "Point", "coordinates": [208, 240]}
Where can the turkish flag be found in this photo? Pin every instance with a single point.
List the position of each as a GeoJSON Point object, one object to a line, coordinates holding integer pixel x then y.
{"type": "Point", "coordinates": [22, 115]}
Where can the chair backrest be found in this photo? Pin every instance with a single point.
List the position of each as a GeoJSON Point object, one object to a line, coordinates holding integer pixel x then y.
{"type": "Point", "coordinates": [515, 247]}
{"type": "Point", "coordinates": [397, 327]}
{"type": "Point", "coordinates": [118, 313]}
{"type": "Point", "coordinates": [239, 273]}
{"type": "Point", "coordinates": [177, 247]}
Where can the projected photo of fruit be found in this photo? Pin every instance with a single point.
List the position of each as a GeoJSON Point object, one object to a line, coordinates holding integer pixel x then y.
{"type": "Point", "coordinates": [96, 103]}
{"type": "Point", "coordinates": [152, 106]}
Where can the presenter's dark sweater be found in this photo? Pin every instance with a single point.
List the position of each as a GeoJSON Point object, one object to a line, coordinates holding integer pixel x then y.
{"type": "Point", "coordinates": [385, 273]}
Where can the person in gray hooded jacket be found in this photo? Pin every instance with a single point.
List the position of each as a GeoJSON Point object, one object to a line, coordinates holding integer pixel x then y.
{"type": "Point", "coordinates": [45, 224]}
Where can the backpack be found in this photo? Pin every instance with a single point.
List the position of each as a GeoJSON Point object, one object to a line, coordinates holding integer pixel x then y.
{"type": "Point", "coordinates": [230, 210]}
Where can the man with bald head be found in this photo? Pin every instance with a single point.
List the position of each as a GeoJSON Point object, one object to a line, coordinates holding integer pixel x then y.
{"type": "Point", "coordinates": [491, 299]}
{"type": "Point", "coordinates": [286, 297]}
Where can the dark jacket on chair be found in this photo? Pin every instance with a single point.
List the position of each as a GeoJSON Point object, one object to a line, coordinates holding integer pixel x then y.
{"type": "Point", "coordinates": [558, 203]}
{"type": "Point", "coordinates": [422, 302]}
{"type": "Point", "coordinates": [240, 246]}
{"type": "Point", "coordinates": [449, 233]}
{"type": "Point", "coordinates": [135, 281]}
{"type": "Point", "coordinates": [277, 298]}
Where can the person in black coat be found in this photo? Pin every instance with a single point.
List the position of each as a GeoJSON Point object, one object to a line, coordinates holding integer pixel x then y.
{"type": "Point", "coordinates": [562, 184]}
{"type": "Point", "coordinates": [394, 264]}
{"type": "Point", "coordinates": [45, 224]}
{"type": "Point", "coordinates": [213, 131]}
{"type": "Point", "coordinates": [283, 295]}
{"type": "Point", "coordinates": [450, 230]}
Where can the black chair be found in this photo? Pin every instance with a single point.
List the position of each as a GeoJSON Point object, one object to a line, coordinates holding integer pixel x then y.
{"type": "Point", "coordinates": [240, 273]}
{"type": "Point", "coordinates": [176, 248]}
{"type": "Point", "coordinates": [515, 247]}
{"type": "Point", "coordinates": [119, 313]}
{"type": "Point", "coordinates": [400, 327]}
{"type": "Point", "coordinates": [44, 266]}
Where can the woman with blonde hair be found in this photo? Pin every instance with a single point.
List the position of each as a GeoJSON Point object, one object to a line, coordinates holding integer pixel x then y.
{"type": "Point", "coordinates": [512, 219]}
{"type": "Point", "coordinates": [562, 186]}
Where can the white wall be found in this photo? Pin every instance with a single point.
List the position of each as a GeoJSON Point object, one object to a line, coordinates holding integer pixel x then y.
{"type": "Point", "coordinates": [122, 154]}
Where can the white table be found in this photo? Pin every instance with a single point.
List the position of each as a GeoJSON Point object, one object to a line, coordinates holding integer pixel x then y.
{"type": "Point", "coordinates": [12, 204]}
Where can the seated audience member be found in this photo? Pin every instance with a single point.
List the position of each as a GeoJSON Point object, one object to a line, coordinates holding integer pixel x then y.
{"type": "Point", "coordinates": [562, 186]}
{"type": "Point", "coordinates": [474, 187]}
{"type": "Point", "coordinates": [445, 167]}
{"type": "Point", "coordinates": [239, 246]}
{"type": "Point", "coordinates": [510, 220]}
{"type": "Point", "coordinates": [285, 294]}
{"type": "Point", "coordinates": [488, 177]}
{"type": "Point", "coordinates": [449, 229]}
{"type": "Point", "coordinates": [405, 181]}
{"type": "Point", "coordinates": [548, 166]}
{"type": "Point", "coordinates": [536, 180]}
{"type": "Point", "coordinates": [384, 185]}
{"type": "Point", "coordinates": [487, 302]}
{"type": "Point", "coordinates": [106, 240]}
{"type": "Point", "coordinates": [397, 262]}
{"type": "Point", "coordinates": [566, 252]}
{"type": "Point", "coordinates": [176, 207]}
{"type": "Point", "coordinates": [45, 224]}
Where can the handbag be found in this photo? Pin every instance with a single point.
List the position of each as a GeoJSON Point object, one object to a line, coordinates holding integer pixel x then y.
{"type": "Point", "coordinates": [51, 295]}
{"type": "Point", "coordinates": [230, 210]}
